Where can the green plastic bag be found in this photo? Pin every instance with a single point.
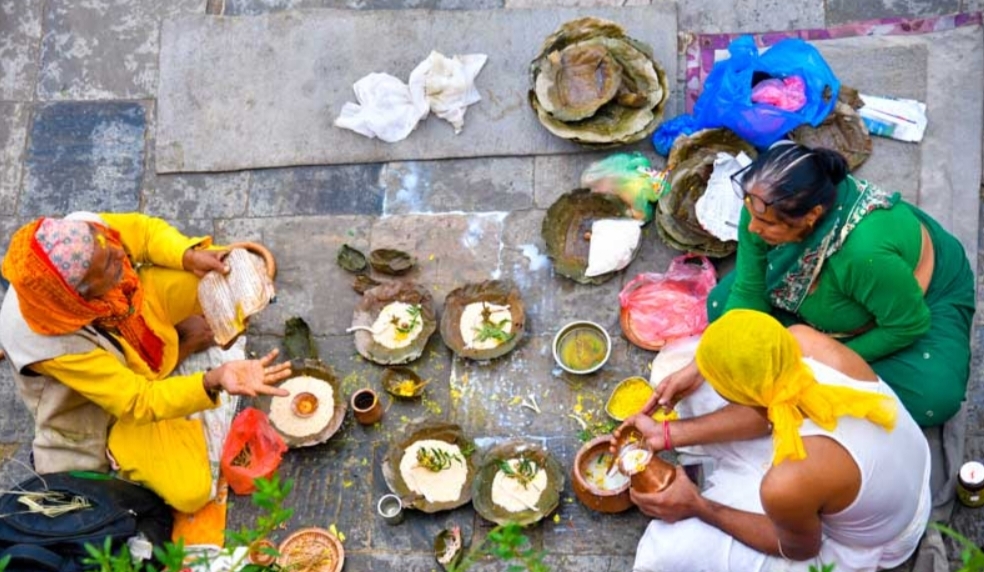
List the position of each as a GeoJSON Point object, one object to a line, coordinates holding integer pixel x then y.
{"type": "Point", "coordinates": [631, 178]}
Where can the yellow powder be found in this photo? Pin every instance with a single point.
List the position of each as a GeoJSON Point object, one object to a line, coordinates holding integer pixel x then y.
{"type": "Point", "coordinates": [628, 398]}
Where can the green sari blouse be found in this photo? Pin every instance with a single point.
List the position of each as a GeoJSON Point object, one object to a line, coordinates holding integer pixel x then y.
{"type": "Point", "coordinates": [853, 273]}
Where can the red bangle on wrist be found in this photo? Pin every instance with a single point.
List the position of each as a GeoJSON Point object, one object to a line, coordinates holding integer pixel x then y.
{"type": "Point", "coordinates": [667, 444]}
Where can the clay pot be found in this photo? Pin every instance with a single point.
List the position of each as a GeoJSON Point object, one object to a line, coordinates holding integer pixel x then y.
{"type": "Point", "coordinates": [304, 404]}
{"type": "Point", "coordinates": [366, 406]}
{"type": "Point", "coordinates": [589, 493]}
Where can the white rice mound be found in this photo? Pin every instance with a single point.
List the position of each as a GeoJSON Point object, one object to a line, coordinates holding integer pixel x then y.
{"type": "Point", "coordinates": [442, 486]}
{"type": "Point", "coordinates": [284, 419]}
{"type": "Point", "coordinates": [385, 332]}
{"type": "Point", "coordinates": [510, 494]}
{"type": "Point", "coordinates": [471, 324]}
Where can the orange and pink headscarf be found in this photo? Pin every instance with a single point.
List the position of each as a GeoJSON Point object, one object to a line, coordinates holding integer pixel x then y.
{"type": "Point", "coordinates": [47, 260]}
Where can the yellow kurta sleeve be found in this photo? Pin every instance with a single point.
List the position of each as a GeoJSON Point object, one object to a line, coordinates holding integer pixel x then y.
{"type": "Point", "coordinates": [150, 239]}
{"type": "Point", "coordinates": [101, 378]}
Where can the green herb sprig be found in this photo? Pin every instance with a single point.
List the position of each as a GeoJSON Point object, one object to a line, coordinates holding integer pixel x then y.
{"type": "Point", "coordinates": [524, 472]}
{"type": "Point", "coordinates": [405, 328]}
{"type": "Point", "coordinates": [494, 331]}
{"type": "Point", "coordinates": [435, 459]}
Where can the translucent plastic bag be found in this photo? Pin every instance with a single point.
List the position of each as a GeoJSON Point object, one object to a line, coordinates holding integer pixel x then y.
{"type": "Point", "coordinates": [726, 99]}
{"type": "Point", "coordinates": [657, 308]}
{"type": "Point", "coordinates": [252, 450]}
{"type": "Point", "coordinates": [630, 177]}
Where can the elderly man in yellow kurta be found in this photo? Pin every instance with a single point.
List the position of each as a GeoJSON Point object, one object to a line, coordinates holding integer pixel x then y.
{"type": "Point", "coordinates": [101, 310]}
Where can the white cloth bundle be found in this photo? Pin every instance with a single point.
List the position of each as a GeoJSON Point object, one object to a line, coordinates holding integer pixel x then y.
{"type": "Point", "coordinates": [389, 109]}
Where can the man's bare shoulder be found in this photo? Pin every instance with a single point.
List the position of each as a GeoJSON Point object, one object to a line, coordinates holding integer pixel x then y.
{"type": "Point", "coordinates": [826, 481]}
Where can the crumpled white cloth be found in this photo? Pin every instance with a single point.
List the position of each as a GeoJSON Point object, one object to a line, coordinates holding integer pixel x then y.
{"type": "Point", "coordinates": [389, 109]}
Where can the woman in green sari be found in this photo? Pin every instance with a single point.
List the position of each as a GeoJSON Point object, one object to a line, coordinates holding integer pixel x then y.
{"type": "Point", "coordinates": [819, 247]}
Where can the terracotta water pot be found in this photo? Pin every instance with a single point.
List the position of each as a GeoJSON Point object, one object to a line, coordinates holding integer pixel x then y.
{"type": "Point", "coordinates": [590, 495]}
{"type": "Point", "coordinates": [366, 406]}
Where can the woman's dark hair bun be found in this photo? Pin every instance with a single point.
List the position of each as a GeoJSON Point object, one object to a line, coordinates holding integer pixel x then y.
{"type": "Point", "coordinates": [833, 163]}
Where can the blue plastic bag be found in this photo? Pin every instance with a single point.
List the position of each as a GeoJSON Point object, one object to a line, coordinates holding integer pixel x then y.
{"type": "Point", "coordinates": [726, 100]}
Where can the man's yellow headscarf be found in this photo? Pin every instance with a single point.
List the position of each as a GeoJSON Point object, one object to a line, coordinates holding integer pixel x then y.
{"type": "Point", "coordinates": [751, 359]}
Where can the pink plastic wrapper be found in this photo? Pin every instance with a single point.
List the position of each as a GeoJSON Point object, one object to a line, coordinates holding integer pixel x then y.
{"type": "Point", "coordinates": [657, 308]}
{"type": "Point", "coordinates": [788, 93]}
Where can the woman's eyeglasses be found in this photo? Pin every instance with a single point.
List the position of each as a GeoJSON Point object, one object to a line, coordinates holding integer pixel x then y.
{"type": "Point", "coordinates": [757, 203]}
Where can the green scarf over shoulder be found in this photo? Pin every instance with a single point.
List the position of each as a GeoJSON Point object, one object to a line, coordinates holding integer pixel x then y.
{"type": "Point", "coordinates": [794, 266]}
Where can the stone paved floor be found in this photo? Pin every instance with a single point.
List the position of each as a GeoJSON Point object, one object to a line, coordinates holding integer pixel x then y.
{"type": "Point", "coordinates": [77, 123]}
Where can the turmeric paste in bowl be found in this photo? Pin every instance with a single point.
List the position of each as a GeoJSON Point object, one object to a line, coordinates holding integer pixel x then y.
{"type": "Point", "coordinates": [628, 398]}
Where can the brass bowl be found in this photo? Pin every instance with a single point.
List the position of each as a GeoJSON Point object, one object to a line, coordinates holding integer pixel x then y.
{"type": "Point", "coordinates": [582, 347]}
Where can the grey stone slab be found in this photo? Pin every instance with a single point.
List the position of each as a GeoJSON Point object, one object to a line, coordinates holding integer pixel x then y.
{"type": "Point", "coordinates": [342, 189]}
{"type": "Point", "coordinates": [84, 156]}
{"type": "Point", "coordinates": [20, 31]}
{"type": "Point", "coordinates": [972, 6]}
{"type": "Point", "coordinates": [16, 423]}
{"type": "Point", "coordinates": [895, 69]}
{"type": "Point", "coordinates": [219, 111]}
{"type": "Point", "coordinates": [471, 185]}
{"type": "Point", "coordinates": [840, 11]}
{"type": "Point", "coordinates": [191, 196]}
{"type": "Point", "coordinates": [13, 139]}
{"type": "Point", "coordinates": [104, 49]}
{"type": "Point", "coordinates": [332, 485]}
{"type": "Point", "coordinates": [975, 386]}
{"type": "Point", "coordinates": [385, 562]}
{"type": "Point", "coordinates": [487, 397]}
{"type": "Point", "coordinates": [197, 195]}
{"type": "Point", "coordinates": [309, 282]}
{"type": "Point", "coordinates": [451, 249]}
{"type": "Point", "coordinates": [575, 3]}
{"type": "Point", "coordinates": [611, 563]}
{"type": "Point", "coordinates": [716, 16]}
{"type": "Point", "coordinates": [551, 299]}
{"type": "Point", "coordinates": [256, 7]}
{"type": "Point", "coordinates": [949, 174]}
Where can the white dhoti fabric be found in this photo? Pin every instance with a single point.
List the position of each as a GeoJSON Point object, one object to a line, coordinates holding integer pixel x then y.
{"type": "Point", "coordinates": [734, 473]}
{"type": "Point", "coordinates": [215, 422]}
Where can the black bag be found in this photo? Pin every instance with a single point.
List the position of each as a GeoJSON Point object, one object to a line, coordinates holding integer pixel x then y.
{"type": "Point", "coordinates": [118, 510]}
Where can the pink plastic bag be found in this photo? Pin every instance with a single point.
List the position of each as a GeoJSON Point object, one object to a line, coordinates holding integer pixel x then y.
{"type": "Point", "coordinates": [788, 93]}
{"type": "Point", "coordinates": [657, 308]}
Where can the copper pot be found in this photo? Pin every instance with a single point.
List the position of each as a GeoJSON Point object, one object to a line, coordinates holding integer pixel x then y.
{"type": "Point", "coordinates": [592, 496]}
{"type": "Point", "coordinates": [651, 475]}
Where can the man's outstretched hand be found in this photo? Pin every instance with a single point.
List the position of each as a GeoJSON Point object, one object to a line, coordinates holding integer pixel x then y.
{"type": "Point", "coordinates": [250, 377]}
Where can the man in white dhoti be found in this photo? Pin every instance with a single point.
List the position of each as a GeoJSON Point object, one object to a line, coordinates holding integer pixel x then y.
{"type": "Point", "coordinates": [843, 480]}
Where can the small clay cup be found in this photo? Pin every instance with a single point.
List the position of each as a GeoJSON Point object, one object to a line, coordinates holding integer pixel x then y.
{"type": "Point", "coordinates": [366, 406]}
{"type": "Point", "coordinates": [304, 404]}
